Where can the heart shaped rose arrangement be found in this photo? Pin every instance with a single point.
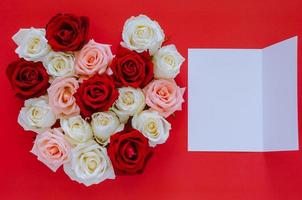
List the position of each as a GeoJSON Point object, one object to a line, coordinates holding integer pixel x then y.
{"type": "Point", "coordinates": [97, 114]}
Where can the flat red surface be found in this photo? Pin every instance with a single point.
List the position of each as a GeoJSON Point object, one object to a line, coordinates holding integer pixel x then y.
{"type": "Point", "coordinates": [173, 172]}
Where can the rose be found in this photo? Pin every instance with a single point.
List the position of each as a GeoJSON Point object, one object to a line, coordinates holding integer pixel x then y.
{"type": "Point", "coordinates": [129, 152]}
{"type": "Point", "coordinates": [59, 64]}
{"type": "Point", "coordinates": [96, 94]}
{"type": "Point", "coordinates": [129, 102]}
{"type": "Point", "coordinates": [93, 58]}
{"type": "Point", "coordinates": [141, 33]}
{"type": "Point", "coordinates": [51, 148]}
{"type": "Point", "coordinates": [27, 78]}
{"type": "Point", "coordinates": [89, 164]}
{"type": "Point", "coordinates": [153, 126]}
{"type": "Point", "coordinates": [167, 61]}
{"type": "Point", "coordinates": [164, 96]}
{"type": "Point", "coordinates": [76, 129]}
{"type": "Point", "coordinates": [67, 32]}
{"type": "Point", "coordinates": [131, 69]}
{"type": "Point", "coordinates": [61, 98]}
{"type": "Point", "coordinates": [32, 44]}
{"type": "Point", "coordinates": [105, 124]}
{"type": "Point", "coordinates": [36, 115]}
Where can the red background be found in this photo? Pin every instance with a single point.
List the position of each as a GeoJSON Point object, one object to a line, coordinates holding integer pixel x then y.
{"type": "Point", "coordinates": [173, 172]}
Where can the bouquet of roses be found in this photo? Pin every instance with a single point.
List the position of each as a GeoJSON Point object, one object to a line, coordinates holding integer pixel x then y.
{"type": "Point", "coordinates": [94, 113]}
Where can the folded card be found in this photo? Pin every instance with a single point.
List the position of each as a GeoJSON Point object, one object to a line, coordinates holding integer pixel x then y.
{"type": "Point", "coordinates": [243, 99]}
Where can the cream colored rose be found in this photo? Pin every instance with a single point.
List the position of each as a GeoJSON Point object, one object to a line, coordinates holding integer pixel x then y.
{"type": "Point", "coordinates": [59, 64]}
{"type": "Point", "coordinates": [89, 164]}
{"type": "Point", "coordinates": [153, 126]}
{"type": "Point", "coordinates": [129, 102]}
{"type": "Point", "coordinates": [141, 34]}
{"type": "Point", "coordinates": [105, 124]}
{"type": "Point", "coordinates": [76, 129]}
{"type": "Point", "coordinates": [32, 44]}
{"type": "Point", "coordinates": [167, 61]}
{"type": "Point", "coordinates": [36, 115]}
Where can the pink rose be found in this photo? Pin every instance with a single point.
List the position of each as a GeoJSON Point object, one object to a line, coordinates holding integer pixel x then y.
{"type": "Point", "coordinates": [51, 148]}
{"type": "Point", "coordinates": [61, 98]}
{"type": "Point", "coordinates": [92, 58]}
{"type": "Point", "coordinates": [164, 96]}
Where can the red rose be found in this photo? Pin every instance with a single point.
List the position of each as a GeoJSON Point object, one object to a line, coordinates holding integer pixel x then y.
{"type": "Point", "coordinates": [96, 94]}
{"type": "Point", "coordinates": [67, 32]}
{"type": "Point", "coordinates": [28, 79]}
{"type": "Point", "coordinates": [131, 68]}
{"type": "Point", "coordinates": [129, 152]}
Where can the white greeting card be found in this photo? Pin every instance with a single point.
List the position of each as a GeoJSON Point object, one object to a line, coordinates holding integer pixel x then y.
{"type": "Point", "coordinates": [243, 99]}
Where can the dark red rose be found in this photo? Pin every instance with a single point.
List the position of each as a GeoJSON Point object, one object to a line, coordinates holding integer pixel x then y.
{"type": "Point", "coordinates": [28, 79]}
{"type": "Point", "coordinates": [131, 68]}
{"type": "Point", "coordinates": [67, 32]}
{"type": "Point", "coordinates": [129, 152]}
{"type": "Point", "coordinates": [98, 93]}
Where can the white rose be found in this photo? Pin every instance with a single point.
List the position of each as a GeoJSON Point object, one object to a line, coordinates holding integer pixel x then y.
{"type": "Point", "coordinates": [36, 115]}
{"type": "Point", "coordinates": [153, 126]}
{"type": "Point", "coordinates": [59, 64]}
{"type": "Point", "coordinates": [32, 44]}
{"type": "Point", "coordinates": [141, 33]}
{"type": "Point", "coordinates": [130, 102]}
{"type": "Point", "coordinates": [167, 61]}
{"type": "Point", "coordinates": [105, 124]}
{"type": "Point", "coordinates": [76, 129]}
{"type": "Point", "coordinates": [89, 164]}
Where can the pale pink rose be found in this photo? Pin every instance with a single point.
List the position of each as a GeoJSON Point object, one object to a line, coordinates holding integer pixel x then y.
{"type": "Point", "coordinates": [164, 96]}
{"type": "Point", "coordinates": [51, 148]}
{"type": "Point", "coordinates": [92, 58]}
{"type": "Point", "coordinates": [61, 98]}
